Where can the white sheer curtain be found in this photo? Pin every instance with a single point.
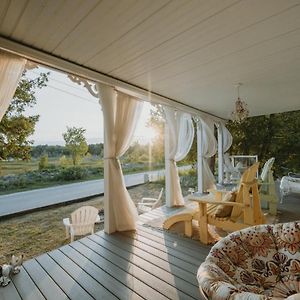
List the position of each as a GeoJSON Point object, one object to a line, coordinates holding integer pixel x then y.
{"type": "Point", "coordinates": [178, 144]}
{"type": "Point", "coordinates": [121, 113]}
{"type": "Point", "coordinates": [225, 142]}
{"type": "Point", "coordinates": [11, 68]}
{"type": "Point", "coordinates": [226, 138]}
{"type": "Point", "coordinates": [208, 149]}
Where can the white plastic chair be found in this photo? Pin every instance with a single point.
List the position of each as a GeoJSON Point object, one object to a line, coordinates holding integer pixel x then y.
{"type": "Point", "coordinates": [232, 174]}
{"type": "Point", "coordinates": [289, 184]}
{"type": "Point", "coordinates": [267, 189]}
{"type": "Point", "coordinates": [266, 169]}
{"type": "Point", "coordinates": [83, 220]}
{"type": "Point", "coordinates": [148, 204]}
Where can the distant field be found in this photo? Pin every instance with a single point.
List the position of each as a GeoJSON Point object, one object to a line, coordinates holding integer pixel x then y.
{"type": "Point", "coordinates": [18, 167]}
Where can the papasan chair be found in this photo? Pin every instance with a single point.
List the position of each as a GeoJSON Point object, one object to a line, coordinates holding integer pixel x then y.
{"type": "Point", "coordinates": [259, 262]}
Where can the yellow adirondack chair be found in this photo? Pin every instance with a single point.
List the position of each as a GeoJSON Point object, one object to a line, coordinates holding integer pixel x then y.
{"type": "Point", "coordinates": [246, 208]}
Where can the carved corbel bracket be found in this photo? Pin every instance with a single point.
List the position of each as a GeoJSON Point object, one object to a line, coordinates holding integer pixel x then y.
{"type": "Point", "coordinates": [90, 86]}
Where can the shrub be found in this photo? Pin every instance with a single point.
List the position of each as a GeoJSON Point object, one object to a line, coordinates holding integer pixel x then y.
{"type": "Point", "coordinates": [188, 179]}
{"type": "Point", "coordinates": [51, 167]}
{"type": "Point", "coordinates": [72, 173]}
{"type": "Point", "coordinates": [43, 163]}
{"type": "Point", "coordinates": [64, 161]}
{"type": "Point", "coordinates": [96, 171]}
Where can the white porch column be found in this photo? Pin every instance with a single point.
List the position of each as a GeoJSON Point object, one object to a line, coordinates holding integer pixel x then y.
{"type": "Point", "coordinates": [179, 135]}
{"type": "Point", "coordinates": [199, 159]}
{"type": "Point", "coordinates": [220, 154]}
{"type": "Point", "coordinates": [207, 147]}
{"type": "Point", "coordinates": [120, 113]}
{"type": "Point", "coordinates": [167, 166]}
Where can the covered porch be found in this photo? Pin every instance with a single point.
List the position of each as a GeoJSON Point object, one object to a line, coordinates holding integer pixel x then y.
{"type": "Point", "coordinates": [185, 56]}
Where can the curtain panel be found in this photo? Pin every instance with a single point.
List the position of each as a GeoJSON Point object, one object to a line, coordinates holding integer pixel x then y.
{"type": "Point", "coordinates": [180, 139]}
{"type": "Point", "coordinates": [121, 113]}
{"type": "Point", "coordinates": [11, 69]}
{"type": "Point", "coordinates": [208, 149]}
{"type": "Point", "coordinates": [226, 138]}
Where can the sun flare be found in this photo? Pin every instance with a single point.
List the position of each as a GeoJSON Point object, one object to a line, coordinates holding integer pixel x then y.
{"type": "Point", "coordinates": [149, 133]}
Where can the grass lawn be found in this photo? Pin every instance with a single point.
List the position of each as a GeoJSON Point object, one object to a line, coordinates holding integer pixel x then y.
{"type": "Point", "coordinates": [19, 166]}
{"type": "Point", "coordinates": [38, 232]}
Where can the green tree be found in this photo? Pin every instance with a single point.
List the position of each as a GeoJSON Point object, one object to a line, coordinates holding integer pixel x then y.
{"type": "Point", "coordinates": [96, 149]}
{"type": "Point", "coordinates": [52, 151]}
{"type": "Point", "coordinates": [15, 126]}
{"type": "Point", "coordinates": [76, 143]}
{"type": "Point", "coordinates": [275, 135]}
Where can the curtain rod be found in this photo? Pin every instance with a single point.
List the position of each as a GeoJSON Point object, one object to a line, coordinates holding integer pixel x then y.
{"type": "Point", "coordinates": [71, 67]}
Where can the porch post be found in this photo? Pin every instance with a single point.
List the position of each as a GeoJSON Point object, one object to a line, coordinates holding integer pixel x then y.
{"type": "Point", "coordinates": [220, 154]}
{"type": "Point", "coordinates": [120, 114]}
{"type": "Point", "coordinates": [199, 158]}
{"type": "Point", "coordinates": [167, 166]}
{"type": "Point", "coordinates": [109, 218]}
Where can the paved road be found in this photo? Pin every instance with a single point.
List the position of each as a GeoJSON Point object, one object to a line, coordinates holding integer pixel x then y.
{"type": "Point", "coordinates": [30, 200]}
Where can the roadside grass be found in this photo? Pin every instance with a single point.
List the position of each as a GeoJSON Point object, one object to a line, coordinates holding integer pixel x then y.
{"type": "Point", "coordinates": [38, 232]}
{"type": "Point", "coordinates": [41, 185]}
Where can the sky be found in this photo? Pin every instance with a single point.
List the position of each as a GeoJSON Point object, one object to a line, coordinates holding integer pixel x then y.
{"type": "Point", "coordinates": [64, 103]}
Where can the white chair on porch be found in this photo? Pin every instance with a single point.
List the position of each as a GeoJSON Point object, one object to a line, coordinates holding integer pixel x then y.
{"type": "Point", "coordinates": [267, 189]}
{"type": "Point", "coordinates": [232, 174]}
{"type": "Point", "coordinates": [82, 222]}
{"type": "Point", "coordinates": [148, 204]}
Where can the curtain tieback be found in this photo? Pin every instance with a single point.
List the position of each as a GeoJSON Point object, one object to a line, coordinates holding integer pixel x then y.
{"type": "Point", "coordinates": [112, 157]}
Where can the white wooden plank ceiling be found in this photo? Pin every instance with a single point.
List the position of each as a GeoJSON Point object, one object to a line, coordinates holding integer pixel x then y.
{"type": "Point", "coordinates": [193, 51]}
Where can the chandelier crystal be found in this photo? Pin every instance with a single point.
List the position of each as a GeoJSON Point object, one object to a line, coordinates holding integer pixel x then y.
{"type": "Point", "coordinates": [241, 110]}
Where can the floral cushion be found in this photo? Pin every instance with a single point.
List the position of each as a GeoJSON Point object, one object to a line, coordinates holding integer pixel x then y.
{"type": "Point", "coordinates": [260, 262]}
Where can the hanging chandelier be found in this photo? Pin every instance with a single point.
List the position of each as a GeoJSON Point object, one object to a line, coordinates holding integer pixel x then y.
{"type": "Point", "coordinates": [241, 110]}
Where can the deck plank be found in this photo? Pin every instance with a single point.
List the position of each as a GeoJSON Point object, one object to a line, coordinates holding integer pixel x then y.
{"type": "Point", "coordinates": [109, 282]}
{"type": "Point", "coordinates": [43, 281]}
{"type": "Point", "coordinates": [172, 280]}
{"type": "Point", "coordinates": [175, 245]}
{"type": "Point", "coordinates": [26, 287]}
{"type": "Point", "coordinates": [62, 278]}
{"type": "Point", "coordinates": [157, 261]}
{"type": "Point", "coordinates": [171, 236]}
{"type": "Point", "coordinates": [88, 283]}
{"type": "Point", "coordinates": [137, 271]}
{"type": "Point", "coordinates": [9, 293]}
{"type": "Point", "coordinates": [156, 252]}
{"type": "Point", "coordinates": [163, 248]}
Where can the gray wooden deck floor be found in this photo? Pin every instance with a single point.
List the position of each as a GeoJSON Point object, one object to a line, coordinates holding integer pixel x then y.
{"type": "Point", "coordinates": [148, 264]}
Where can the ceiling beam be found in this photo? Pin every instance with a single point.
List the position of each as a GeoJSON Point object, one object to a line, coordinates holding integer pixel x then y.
{"type": "Point", "coordinates": [61, 64]}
